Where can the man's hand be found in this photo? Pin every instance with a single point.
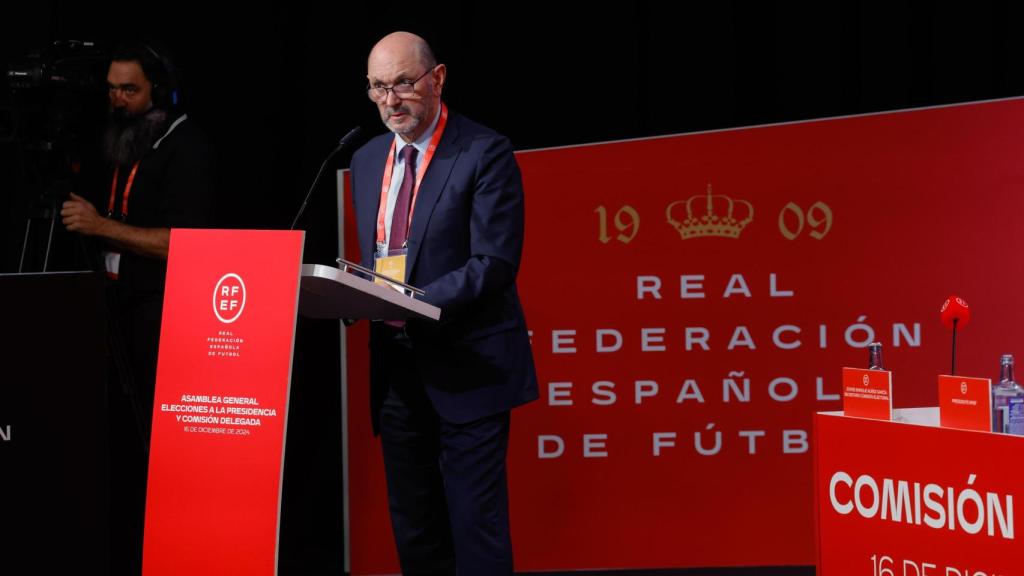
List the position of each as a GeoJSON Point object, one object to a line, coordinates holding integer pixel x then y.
{"type": "Point", "coordinates": [79, 215]}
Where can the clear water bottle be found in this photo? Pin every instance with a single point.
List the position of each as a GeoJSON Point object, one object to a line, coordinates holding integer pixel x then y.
{"type": "Point", "coordinates": [875, 356]}
{"type": "Point", "coordinates": [1007, 400]}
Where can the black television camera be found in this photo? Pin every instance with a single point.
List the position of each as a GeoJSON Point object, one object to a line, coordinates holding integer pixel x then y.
{"type": "Point", "coordinates": [49, 131]}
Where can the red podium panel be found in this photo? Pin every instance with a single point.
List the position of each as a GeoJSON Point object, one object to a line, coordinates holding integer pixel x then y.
{"type": "Point", "coordinates": [898, 499]}
{"type": "Point", "coordinates": [219, 416]}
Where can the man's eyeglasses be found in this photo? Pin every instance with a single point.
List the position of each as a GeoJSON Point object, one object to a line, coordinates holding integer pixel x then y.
{"type": "Point", "coordinates": [402, 89]}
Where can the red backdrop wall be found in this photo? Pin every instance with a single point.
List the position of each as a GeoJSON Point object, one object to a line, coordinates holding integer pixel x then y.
{"type": "Point", "coordinates": [679, 374]}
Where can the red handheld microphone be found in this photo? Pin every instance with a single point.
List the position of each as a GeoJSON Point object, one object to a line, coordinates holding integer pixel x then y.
{"type": "Point", "coordinates": [955, 313]}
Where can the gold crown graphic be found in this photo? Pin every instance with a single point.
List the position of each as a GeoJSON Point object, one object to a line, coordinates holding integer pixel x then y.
{"type": "Point", "coordinates": [710, 223]}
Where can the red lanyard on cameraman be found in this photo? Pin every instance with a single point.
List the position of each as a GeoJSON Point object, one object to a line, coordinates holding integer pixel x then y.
{"type": "Point", "coordinates": [127, 190]}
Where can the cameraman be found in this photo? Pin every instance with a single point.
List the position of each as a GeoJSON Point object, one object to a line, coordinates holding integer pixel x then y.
{"type": "Point", "coordinates": [160, 176]}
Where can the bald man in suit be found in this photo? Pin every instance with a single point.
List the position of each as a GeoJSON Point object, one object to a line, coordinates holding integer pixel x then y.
{"type": "Point", "coordinates": [441, 199]}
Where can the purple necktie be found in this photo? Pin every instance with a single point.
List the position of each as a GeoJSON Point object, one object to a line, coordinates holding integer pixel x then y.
{"type": "Point", "coordinates": [400, 216]}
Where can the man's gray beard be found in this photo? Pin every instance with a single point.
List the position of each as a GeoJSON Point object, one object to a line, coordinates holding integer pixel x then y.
{"type": "Point", "coordinates": [125, 143]}
{"type": "Point", "coordinates": [408, 130]}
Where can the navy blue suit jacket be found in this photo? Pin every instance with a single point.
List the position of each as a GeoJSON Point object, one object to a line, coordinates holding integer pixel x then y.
{"type": "Point", "coordinates": [464, 247]}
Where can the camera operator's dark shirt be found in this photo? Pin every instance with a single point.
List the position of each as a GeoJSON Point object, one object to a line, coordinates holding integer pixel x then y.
{"type": "Point", "coordinates": [173, 188]}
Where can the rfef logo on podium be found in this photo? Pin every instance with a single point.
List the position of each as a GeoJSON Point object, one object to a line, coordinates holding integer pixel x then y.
{"type": "Point", "coordinates": [229, 298]}
{"type": "Point", "coordinates": [221, 402]}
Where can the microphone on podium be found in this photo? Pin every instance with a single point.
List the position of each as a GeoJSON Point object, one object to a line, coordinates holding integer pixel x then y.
{"type": "Point", "coordinates": [345, 141]}
{"type": "Point", "coordinates": [955, 313]}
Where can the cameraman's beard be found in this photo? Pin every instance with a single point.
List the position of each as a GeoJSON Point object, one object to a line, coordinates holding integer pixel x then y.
{"type": "Point", "coordinates": [128, 138]}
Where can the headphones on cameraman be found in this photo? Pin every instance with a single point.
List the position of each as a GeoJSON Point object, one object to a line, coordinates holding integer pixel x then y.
{"type": "Point", "coordinates": [168, 90]}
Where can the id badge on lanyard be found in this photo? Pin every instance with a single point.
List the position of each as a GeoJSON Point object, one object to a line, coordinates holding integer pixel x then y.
{"type": "Point", "coordinates": [111, 263]}
{"type": "Point", "coordinates": [390, 263]}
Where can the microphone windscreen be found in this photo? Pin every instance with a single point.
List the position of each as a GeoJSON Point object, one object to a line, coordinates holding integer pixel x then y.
{"type": "Point", "coordinates": [955, 308]}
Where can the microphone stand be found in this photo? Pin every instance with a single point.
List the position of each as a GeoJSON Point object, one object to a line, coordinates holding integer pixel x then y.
{"type": "Point", "coordinates": [344, 142]}
{"type": "Point", "coordinates": [955, 321]}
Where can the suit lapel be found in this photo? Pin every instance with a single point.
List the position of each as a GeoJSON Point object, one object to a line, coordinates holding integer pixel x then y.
{"type": "Point", "coordinates": [371, 176]}
{"type": "Point", "coordinates": [430, 189]}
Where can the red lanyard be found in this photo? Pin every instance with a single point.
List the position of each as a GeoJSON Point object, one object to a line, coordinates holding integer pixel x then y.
{"type": "Point", "coordinates": [386, 184]}
{"type": "Point", "coordinates": [127, 190]}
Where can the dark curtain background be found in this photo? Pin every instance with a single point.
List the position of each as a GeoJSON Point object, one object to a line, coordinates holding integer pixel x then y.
{"type": "Point", "coordinates": [276, 84]}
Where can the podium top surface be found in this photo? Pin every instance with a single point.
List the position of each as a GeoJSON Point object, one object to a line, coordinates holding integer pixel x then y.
{"type": "Point", "coordinates": [329, 292]}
